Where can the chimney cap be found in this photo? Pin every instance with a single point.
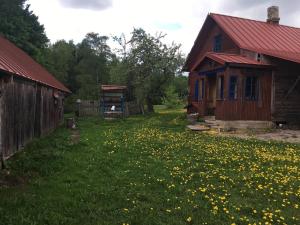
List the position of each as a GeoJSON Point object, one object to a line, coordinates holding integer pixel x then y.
{"type": "Point", "coordinates": [273, 15]}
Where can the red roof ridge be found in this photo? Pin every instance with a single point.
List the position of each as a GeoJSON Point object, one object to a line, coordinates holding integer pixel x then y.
{"type": "Point", "coordinates": [254, 20]}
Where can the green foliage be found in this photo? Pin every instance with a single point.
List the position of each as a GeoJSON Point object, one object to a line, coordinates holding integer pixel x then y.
{"type": "Point", "coordinates": [21, 26]}
{"type": "Point", "coordinates": [149, 65]}
{"type": "Point", "coordinates": [171, 99]}
{"type": "Point", "coordinates": [151, 170]}
{"type": "Point", "coordinates": [181, 86]}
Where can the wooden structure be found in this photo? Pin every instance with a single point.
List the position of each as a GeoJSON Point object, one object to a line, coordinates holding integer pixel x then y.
{"type": "Point", "coordinates": [241, 69]}
{"type": "Point", "coordinates": [112, 101]}
{"type": "Point", "coordinates": [31, 99]}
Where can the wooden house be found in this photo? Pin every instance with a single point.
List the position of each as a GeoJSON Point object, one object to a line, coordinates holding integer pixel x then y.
{"type": "Point", "coordinates": [31, 99]}
{"type": "Point", "coordinates": [245, 70]}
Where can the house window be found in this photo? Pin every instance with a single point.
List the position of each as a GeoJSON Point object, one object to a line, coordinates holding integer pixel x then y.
{"type": "Point", "coordinates": [221, 87]}
{"type": "Point", "coordinates": [251, 88]}
{"type": "Point", "coordinates": [196, 93]}
{"type": "Point", "coordinates": [201, 89]}
{"type": "Point", "coordinates": [233, 87]}
{"type": "Point", "coordinates": [217, 43]}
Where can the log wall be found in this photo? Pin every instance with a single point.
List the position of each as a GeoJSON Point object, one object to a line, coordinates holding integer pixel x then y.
{"type": "Point", "coordinates": [286, 107]}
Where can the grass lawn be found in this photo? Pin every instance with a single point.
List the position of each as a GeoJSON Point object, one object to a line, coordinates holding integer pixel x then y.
{"type": "Point", "coordinates": [150, 170]}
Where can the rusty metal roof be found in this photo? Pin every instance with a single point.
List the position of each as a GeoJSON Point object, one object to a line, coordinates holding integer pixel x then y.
{"type": "Point", "coordinates": [112, 87]}
{"type": "Point", "coordinates": [270, 39]}
{"type": "Point", "coordinates": [15, 61]}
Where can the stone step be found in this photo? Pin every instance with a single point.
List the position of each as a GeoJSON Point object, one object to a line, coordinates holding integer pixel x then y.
{"type": "Point", "coordinates": [198, 127]}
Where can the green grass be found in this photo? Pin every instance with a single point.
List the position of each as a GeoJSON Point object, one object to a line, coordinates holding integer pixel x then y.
{"type": "Point", "coordinates": [150, 170]}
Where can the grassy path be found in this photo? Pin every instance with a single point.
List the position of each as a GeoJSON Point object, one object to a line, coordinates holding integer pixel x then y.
{"type": "Point", "coordinates": [150, 170]}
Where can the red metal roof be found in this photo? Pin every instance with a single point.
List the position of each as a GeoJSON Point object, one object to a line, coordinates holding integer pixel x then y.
{"type": "Point", "coordinates": [223, 58]}
{"type": "Point", "coordinates": [112, 87]}
{"type": "Point", "coordinates": [15, 61]}
{"type": "Point", "coordinates": [275, 40]}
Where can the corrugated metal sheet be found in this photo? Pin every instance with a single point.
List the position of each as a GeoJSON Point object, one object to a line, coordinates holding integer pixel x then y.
{"type": "Point", "coordinates": [270, 39]}
{"type": "Point", "coordinates": [15, 61]}
{"type": "Point", "coordinates": [223, 58]}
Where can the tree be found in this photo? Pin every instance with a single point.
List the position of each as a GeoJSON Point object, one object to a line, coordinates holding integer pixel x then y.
{"type": "Point", "coordinates": [150, 65]}
{"type": "Point", "coordinates": [93, 63]}
{"type": "Point", "coordinates": [19, 25]}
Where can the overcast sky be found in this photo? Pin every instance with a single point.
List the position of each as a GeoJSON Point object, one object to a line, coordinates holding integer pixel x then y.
{"type": "Point", "coordinates": [181, 20]}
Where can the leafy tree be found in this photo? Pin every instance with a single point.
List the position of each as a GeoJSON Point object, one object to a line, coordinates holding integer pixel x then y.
{"type": "Point", "coordinates": [181, 86]}
{"type": "Point", "coordinates": [21, 26]}
{"type": "Point", "coordinates": [150, 65]}
{"type": "Point", "coordinates": [61, 58]}
{"type": "Point", "coordinates": [93, 64]}
{"type": "Point", "coordinates": [171, 99]}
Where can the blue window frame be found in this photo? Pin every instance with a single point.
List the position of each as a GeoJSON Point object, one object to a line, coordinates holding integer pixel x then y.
{"type": "Point", "coordinates": [202, 88]}
{"type": "Point", "coordinates": [251, 88]}
{"type": "Point", "coordinates": [221, 87]}
{"type": "Point", "coordinates": [196, 93]}
{"type": "Point", "coordinates": [233, 88]}
{"type": "Point", "coordinates": [218, 43]}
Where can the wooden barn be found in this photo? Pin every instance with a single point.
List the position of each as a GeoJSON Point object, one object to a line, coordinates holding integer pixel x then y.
{"type": "Point", "coordinates": [31, 99]}
{"type": "Point", "coordinates": [245, 70]}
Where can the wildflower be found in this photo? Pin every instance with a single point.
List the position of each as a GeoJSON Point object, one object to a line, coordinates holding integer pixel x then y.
{"type": "Point", "coordinates": [189, 219]}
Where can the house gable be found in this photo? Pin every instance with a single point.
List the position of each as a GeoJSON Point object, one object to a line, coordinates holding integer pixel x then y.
{"type": "Point", "coordinates": [205, 43]}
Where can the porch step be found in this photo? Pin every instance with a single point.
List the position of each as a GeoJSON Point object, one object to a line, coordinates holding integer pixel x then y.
{"type": "Point", "coordinates": [209, 118]}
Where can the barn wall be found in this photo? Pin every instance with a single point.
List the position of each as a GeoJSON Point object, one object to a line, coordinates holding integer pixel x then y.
{"type": "Point", "coordinates": [28, 110]}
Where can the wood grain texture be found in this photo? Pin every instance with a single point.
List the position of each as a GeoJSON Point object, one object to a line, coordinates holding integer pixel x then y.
{"type": "Point", "coordinates": [28, 110]}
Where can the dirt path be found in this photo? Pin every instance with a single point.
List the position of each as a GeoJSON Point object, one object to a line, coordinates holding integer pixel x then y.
{"type": "Point", "coordinates": [291, 136]}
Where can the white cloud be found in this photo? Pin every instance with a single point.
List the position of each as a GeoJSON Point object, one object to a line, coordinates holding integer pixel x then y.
{"type": "Point", "coordinates": [152, 15]}
{"type": "Point", "coordinates": [87, 4]}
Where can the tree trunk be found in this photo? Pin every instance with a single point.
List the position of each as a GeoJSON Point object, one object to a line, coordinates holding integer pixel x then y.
{"type": "Point", "coordinates": [149, 105]}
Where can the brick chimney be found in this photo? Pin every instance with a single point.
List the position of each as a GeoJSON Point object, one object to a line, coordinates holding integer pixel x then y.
{"type": "Point", "coordinates": [273, 15]}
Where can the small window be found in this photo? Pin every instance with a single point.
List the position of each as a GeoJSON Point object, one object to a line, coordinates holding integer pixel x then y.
{"type": "Point", "coordinates": [233, 88]}
{"type": "Point", "coordinates": [196, 93]}
{"type": "Point", "coordinates": [258, 57]}
{"type": "Point", "coordinates": [217, 43]}
{"type": "Point", "coordinates": [202, 89]}
{"type": "Point", "coordinates": [221, 87]}
{"type": "Point", "coordinates": [251, 88]}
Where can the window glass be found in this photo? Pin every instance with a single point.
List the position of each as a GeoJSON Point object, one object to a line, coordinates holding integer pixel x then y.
{"type": "Point", "coordinates": [201, 89]}
{"type": "Point", "coordinates": [196, 94]}
{"type": "Point", "coordinates": [233, 87]}
{"type": "Point", "coordinates": [217, 43]}
{"type": "Point", "coordinates": [221, 87]}
{"type": "Point", "coordinates": [251, 88]}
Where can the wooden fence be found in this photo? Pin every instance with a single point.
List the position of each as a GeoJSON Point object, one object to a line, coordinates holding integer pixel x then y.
{"type": "Point", "coordinates": [88, 108]}
{"type": "Point", "coordinates": [93, 108]}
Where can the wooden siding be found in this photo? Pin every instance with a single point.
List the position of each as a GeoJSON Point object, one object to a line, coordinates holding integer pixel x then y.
{"type": "Point", "coordinates": [28, 110]}
{"type": "Point", "coordinates": [228, 46]}
{"type": "Point", "coordinates": [241, 108]}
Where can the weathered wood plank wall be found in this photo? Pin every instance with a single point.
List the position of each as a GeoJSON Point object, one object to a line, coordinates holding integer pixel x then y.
{"type": "Point", "coordinates": [28, 110]}
{"type": "Point", "coordinates": [286, 106]}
